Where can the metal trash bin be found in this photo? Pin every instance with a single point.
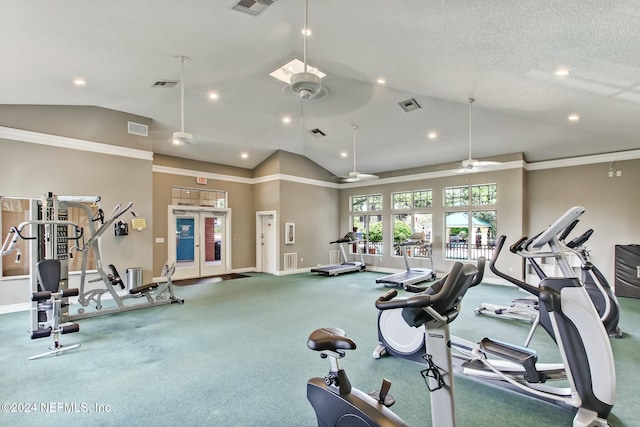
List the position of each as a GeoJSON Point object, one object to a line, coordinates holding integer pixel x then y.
{"type": "Point", "coordinates": [134, 277]}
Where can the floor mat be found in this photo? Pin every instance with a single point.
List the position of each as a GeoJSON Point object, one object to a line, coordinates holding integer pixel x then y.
{"type": "Point", "coordinates": [211, 279]}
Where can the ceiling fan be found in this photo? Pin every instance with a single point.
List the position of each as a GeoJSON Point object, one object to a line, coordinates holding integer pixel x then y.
{"type": "Point", "coordinates": [355, 176]}
{"type": "Point", "coordinates": [305, 84]}
{"type": "Point", "coordinates": [471, 164]}
{"type": "Point", "coordinates": [182, 137]}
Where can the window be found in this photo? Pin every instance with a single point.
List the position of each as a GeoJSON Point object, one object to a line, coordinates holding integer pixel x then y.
{"type": "Point", "coordinates": [483, 195]}
{"type": "Point", "coordinates": [410, 218]}
{"type": "Point", "coordinates": [367, 223]}
{"type": "Point", "coordinates": [456, 196]}
{"type": "Point", "coordinates": [470, 234]}
{"type": "Point", "coordinates": [412, 199]}
{"type": "Point", "coordinates": [182, 196]}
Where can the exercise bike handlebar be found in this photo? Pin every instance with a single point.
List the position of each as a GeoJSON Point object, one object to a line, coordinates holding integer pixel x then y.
{"type": "Point", "coordinates": [387, 301]}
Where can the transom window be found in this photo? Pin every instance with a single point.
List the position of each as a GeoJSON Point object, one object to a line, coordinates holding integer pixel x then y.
{"type": "Point", "coordinates": [412, 199]}
{"type": "Point", "coordinates": [183, 196]}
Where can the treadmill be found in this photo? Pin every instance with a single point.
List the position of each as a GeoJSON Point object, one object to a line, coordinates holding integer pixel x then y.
{"type": "Point", "coordinates": [410, 276]}
{"type": "Point", "coordinates": [346, 266]}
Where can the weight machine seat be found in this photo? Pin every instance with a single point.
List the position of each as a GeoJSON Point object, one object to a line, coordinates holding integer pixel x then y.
{"type": "Point", "coordinates": [332, 339]}
{"type": "Point", "coordinates": [49, 274]}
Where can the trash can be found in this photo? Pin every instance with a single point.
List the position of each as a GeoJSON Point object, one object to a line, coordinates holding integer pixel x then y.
{"type": "Point", "coordinates": [134, 277]}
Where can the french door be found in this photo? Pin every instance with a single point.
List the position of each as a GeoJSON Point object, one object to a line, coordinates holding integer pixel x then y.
{"type": "Point", "coordinates": [198, 241]}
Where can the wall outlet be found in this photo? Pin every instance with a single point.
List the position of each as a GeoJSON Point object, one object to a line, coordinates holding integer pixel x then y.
{"type": "Point", "coordinates": [510, 271]}
{"type": "Point", "coordinates": [610, 174]}
{"type": "Point", "coordinates": [301, 259]}
{"type": "Point", "coordinates": [618, 173]}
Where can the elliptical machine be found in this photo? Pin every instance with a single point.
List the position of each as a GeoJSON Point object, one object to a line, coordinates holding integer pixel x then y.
{"type": "Point", "coordinates": [592, 279]}
{"type": "Point", "coordinates": [570, 317]}
{"type": "Point", "coordinates": [337, 403]}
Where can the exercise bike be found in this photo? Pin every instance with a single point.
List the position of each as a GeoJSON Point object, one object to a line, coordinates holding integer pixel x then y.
{"type": "Point", "coordinates": [337, 403]}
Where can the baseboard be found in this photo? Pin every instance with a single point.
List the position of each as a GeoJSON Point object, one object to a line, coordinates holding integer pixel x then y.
{"type": "Point", "coordinates": [288, 272]}
{"type": "Point", "coordinates": [14, 308]}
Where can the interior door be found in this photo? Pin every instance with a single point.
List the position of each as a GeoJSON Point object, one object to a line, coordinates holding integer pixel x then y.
{"type": "Point", "coordinates": [199, 246]}
{"type": "Point", "coordinates": [266, 244]}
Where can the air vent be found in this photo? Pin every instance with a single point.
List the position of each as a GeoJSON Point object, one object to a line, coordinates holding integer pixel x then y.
{"type": "Point", "coordinates": [409, 105]}
{"type": "Point", "coordinates": [317, 133]}
{"type": "Point", "coordinates": [291, 261]}
{"type": "Point", "coordinates": [138, 129]}
{"type": "Point", "coordinates": [252, 7]}
{"type": "Point", "coordinates": [165, 83]}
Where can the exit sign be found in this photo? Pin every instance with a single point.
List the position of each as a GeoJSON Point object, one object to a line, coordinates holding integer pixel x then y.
{"type": "Point", "coordinates": [201, 180]}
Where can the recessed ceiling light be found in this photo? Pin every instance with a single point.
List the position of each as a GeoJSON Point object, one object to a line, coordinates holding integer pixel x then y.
{"type": "Point", "coordinates": [432, 135]}
{"type": "Point", "coordinates": [244, 155]}
{"type": "Point", "coordinates": [343, 154]}
{"type": "Point", "coordinates": [573, 117]}
{"type": "Point", "coordinates": [79, 81]}
{"type": "Point", "coordinates": [562, 72]}
{"type": "Point", "coordinates": [213, 95]}
{"type": "Point", "coordinates": [381, 81]}
{"type": "Point", "coordinates": [286, 119]}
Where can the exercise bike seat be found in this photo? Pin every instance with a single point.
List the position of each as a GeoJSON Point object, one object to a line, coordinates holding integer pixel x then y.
{"type": "Point", "coordinates": [332, 339]}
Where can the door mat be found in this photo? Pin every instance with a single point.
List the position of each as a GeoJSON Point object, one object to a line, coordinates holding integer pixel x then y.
{"type": "Point", "coordinates": [212, 279]}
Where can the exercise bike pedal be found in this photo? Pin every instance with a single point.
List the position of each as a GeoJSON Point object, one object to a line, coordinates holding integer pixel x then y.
{"type": "Point", "coordinates": [383, 395]}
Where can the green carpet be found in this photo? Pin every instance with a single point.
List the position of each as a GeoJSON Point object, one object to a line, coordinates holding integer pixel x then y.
{"type": "Point", "coordinates": [235, 355]}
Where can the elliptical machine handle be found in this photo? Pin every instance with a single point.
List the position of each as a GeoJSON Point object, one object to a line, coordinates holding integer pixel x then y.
{"type": "Point", "coordinates": [492, 265]}
{"type": "Point", "coordinates": [517, 246]}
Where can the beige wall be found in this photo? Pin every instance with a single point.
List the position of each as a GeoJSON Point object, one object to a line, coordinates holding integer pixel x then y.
{"type": "Point", "coordinates": [315, 212]}
{"type": "Point", "coordinates": [80, 122]}
{"type": "Point", "coordinates": [612, 205]}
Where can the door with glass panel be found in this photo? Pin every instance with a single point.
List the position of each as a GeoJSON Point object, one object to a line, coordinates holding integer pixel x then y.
{"type": "Point", "coordinates": [197, 242]}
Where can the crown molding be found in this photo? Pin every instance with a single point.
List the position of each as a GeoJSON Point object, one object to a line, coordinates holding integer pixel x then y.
{"type": "Point", "coordinates": [72, 143]}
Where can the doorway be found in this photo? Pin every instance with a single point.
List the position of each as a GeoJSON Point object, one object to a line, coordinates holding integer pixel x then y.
{"type": "Point", "coordinates": [266, 242]}
{"type": "Point", "coordinates": [199, 241]}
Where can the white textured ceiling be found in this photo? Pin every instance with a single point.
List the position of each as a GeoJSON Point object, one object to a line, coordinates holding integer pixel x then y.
{"type": "Point", "coordinates": [502, 53]}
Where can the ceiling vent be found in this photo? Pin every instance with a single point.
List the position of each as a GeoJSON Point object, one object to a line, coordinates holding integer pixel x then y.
{"type": "Point", "coordinates": [317, 133]}
{"type": "Point", "coordinates": [252, 7]}
{"type": "Point", "coordinates": [165, 83]}
{"type": "Point", "coordinates": [138, 129]}
{"type": "Point", "coordinates": [409, 105]}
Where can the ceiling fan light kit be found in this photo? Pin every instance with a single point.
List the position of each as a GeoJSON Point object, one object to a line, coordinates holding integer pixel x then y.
{"type": "Point", "coordinates": [305, 84]}
{"type": "Point", "coordinates": [181, 138]}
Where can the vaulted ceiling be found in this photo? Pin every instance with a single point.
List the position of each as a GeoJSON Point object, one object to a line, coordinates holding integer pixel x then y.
{"type": "Point", "coordinates": [439, 53]}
